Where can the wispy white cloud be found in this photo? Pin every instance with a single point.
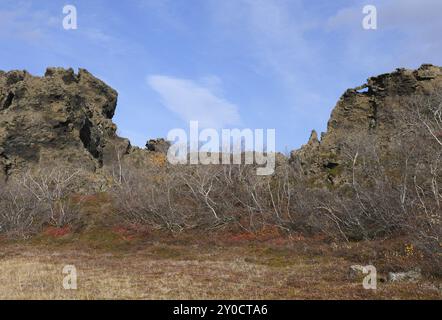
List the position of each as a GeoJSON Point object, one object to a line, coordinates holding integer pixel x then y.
{"type": "Point", "coordinates": [193, 101]}
{"type": "Point", "coordinates": [276, 36]}
{"type": "Point", "coordinates": [414, 28]}
{"type": "Point", "coordinates": [21, 22]}
{"type": "Point", "coordinates": [43, 27]}
{"type": "Point", "coordinates": [274, 30]}
{"type": "Point", "coordinates": [165, 12]}
{"type": "Point", "coordinates": [405, 14]}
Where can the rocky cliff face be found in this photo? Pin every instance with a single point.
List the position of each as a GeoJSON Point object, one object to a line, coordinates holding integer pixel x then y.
{"type": "Point", "coordinates": [66, 118]}
{"type": "Point", "coordinates": [374, 109]}
{"type": "Point", "coordinates": [59, 118]}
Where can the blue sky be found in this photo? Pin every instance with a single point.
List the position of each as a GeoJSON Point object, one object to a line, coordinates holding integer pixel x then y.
{"type": "Point", "coordinates": [279, 64]}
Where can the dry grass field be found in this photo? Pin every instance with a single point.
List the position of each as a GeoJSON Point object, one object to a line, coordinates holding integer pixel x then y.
{"type": "Point", "coordinates": [123, 268]}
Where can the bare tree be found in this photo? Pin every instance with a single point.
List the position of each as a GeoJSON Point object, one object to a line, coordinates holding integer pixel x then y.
{"type": "Point", "coordinates": [54, 188]}
{"type": "Point", "coordinates": [38, 198]}
{"type": "Point", "coordinates": [20, 213]}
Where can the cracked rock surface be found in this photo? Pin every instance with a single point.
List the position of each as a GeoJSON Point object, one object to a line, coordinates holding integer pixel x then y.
{"type": "Point", "coordinates": [62, 117]}
{"type": "Point", "coordinates": [374, 109]}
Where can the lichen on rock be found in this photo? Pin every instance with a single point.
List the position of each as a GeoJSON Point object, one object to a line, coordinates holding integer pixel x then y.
{"type": "Point", "coordinates": [373, 111]}
{"type": "Point", "coordinates": [62, 117]}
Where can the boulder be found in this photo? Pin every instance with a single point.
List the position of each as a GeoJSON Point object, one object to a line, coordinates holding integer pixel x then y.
{"type": "Point", "coordinates": [158, 145]}
{"type": "Point", "coordinates": [409, 276]}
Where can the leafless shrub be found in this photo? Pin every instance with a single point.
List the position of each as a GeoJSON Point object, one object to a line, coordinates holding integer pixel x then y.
{"type": "Point", "coordinates": [391, 190]}
{"type": "Point", "coordinates": [424, 118]}
{"type": "Point", "coordinates": [20, 213]}
{"type": "Point", "coordinates": [42, 197]}
{"type": "Point", "coordinates": [148, 197]}
{"type": "Point", "coordinates": [54, 188]}
{"type": "Point", "coordinates": [204, 196]}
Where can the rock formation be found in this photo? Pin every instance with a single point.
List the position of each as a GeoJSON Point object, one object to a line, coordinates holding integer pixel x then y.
{"type": "Point", "coordinates": [158, 145]}
{"type": "Point", "coordinates": [374, 109]}
{"type": "Point", "coordinates": [66, 118]}
{"type": "Point", "coordinates": [59, 118]}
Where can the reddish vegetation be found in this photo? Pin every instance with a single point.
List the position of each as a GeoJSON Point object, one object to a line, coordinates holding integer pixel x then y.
{"type": "Point", "coordinates": [125, 233]}
{"type": "Point", "coordinates": [55, 232]}
{"type": "Point", "coordinates": [270, 234]}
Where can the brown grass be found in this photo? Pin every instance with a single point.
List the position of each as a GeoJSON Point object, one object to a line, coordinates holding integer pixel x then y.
{"type": "Point", "coordinates": [174, 270]}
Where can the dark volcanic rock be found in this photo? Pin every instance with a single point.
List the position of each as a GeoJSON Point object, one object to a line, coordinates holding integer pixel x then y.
{"type": "Point", "coordinates": [66, 118]}
{"type": "Point", "coordinates": [375, 109]}
{"type": "Point", "coordinates": [62, 117]}
{"type": "Point", "coordinates": [158, 145]}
